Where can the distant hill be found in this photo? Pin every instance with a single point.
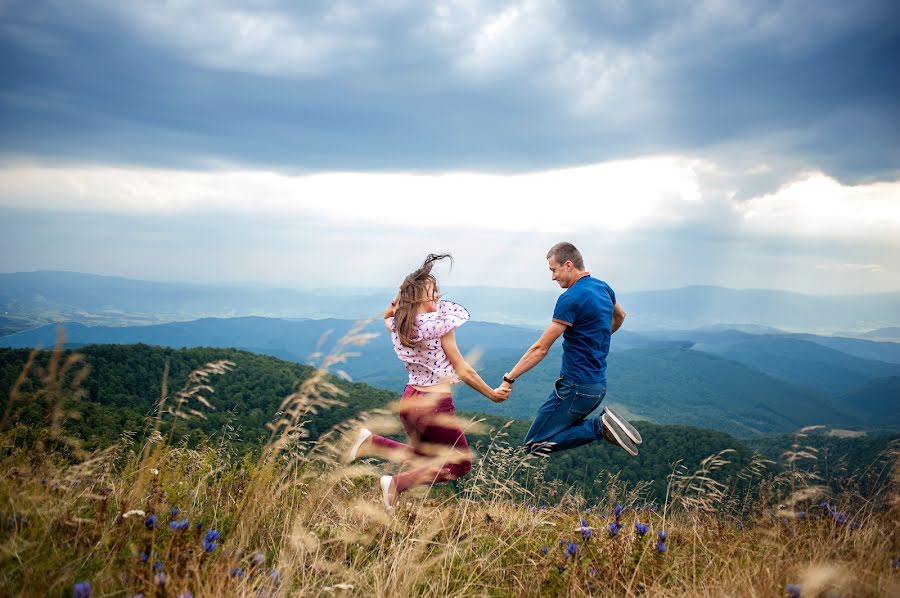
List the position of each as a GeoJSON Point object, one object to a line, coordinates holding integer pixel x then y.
{"type": "Point", "coordinates": [654, 377]}
{"type": "Point", "coordinates": [879, 398]}
{"type": "Point", "coordinates": [696, 306]}
{"type": "Point", "coordinates": [891, 333]}
{"type": "Point", "coordinates": [807, 363]}
{"type": "Point", "coordinates": [45, 297]}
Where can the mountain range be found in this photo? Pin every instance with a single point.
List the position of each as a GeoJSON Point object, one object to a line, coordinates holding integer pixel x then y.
{"type": "Point", "coordinates": [29, 299]}
{"type": "Point", "coordinates": [745, 384]}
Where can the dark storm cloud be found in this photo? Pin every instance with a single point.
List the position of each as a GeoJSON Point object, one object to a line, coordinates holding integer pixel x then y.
{"type": "Point", "coordinates": [496, 86]}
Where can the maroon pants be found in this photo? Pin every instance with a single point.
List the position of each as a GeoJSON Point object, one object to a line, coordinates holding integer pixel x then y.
{"type": "Point", "coordinates": [437, 451]}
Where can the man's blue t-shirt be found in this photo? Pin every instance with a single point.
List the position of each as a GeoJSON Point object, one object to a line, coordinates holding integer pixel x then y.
{"type": "Point", "coordinates": [587, 308]}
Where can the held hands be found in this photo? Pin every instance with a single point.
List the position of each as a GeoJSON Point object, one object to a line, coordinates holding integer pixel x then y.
{"type": "Point", "coordinates": [503, 391]}
{"type": "Point", "coordinates": [500, 394]}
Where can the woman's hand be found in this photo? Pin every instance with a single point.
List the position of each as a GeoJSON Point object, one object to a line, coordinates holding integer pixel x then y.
{"type": "Point", "coordinates": [498, 395]}
{"type": "Point", "coordinates": [389, 312]}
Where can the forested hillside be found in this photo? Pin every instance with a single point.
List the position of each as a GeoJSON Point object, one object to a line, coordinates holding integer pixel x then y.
{"type": "Point", "coordinates": [125, 381]}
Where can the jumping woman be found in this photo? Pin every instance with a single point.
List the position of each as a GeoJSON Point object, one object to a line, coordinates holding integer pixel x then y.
{"type": "Point", "coordinates": [422, 330]}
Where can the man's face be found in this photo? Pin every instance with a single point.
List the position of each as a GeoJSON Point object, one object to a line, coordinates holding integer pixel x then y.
{"type": "Point", "coordinates": [561, 273]}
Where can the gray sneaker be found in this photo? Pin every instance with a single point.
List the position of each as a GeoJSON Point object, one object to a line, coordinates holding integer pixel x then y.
{"type": "Point", "coordinates": [615, 435]}
{"type": "Point", "coordinates": [623, 424]}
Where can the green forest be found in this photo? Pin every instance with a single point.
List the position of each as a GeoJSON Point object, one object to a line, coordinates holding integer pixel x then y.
{"type": "Point", "coordinates": [122, 386]}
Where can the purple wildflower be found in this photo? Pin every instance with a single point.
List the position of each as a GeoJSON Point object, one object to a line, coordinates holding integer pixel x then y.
{"type": "Point", "coordinates": [614, 528]}
{"type": "Point", "coordinates": [592, 571]}
{"type": "Point", "coordinates": [175, 512]}
{"type": "Point", "coordinates": [571, 549]}
{"type": "Point", "coordinates": [585, 530]}
{"type": "Point", "coordinates": [151, 521]}
{"type": "Point", "coordinates": [660, 546]}
{"type": "Point", "coordinates": [208, 546]}
{"type": "Point", "coordinates": [662, 535]}
{"type": "Point", "coordinates": [160, 579]}
{"type": "Point", "coordinates": [211, 535]}
{"type": "Point", "coordinates": [274, 575]}
{"type": "Point", "coordinates": [258, 559]}
{"type": "Point", "coordinates": [178, 525]}
{"type": "Point", "coordinates": [895, 563]}
{"type": "Point", "coordinates": [82, 589]}
{"type": "Point", "coordinates": [237, 572]}
{"type": "Point", "coordinates": [855, 525]}
{"type": "Point", "coordinates": [801, 514]}
{"type": "Point", "coordinates": [793, 590]}
{"type": "Point", "coordinates": [145, 556]}
{"type": "Point", "coordinates": [618, 511]}
{"type": "Point", "coordinates": [642, 528]}
{"type": "Point", "coordinates": [544, 550]}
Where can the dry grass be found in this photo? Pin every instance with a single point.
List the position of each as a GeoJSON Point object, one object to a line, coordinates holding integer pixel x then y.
{"type": "Point", "coordinates": [299, 522]}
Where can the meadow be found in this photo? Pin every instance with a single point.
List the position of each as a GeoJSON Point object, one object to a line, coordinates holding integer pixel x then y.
{"type": "Point", "coordinates": [159, 518]}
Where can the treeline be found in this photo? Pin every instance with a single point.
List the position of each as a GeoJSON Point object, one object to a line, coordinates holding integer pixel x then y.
{"type": "Point", "coordinates": [123, 388]}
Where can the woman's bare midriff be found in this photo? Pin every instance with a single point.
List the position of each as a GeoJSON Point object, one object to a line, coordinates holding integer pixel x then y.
{"type": "Point", "coordinates": [442, 387]}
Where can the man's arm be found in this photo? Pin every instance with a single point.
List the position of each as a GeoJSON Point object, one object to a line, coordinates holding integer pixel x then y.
{"type": "Point", "coordinates": [537, 351]}
{"type": "Point", "coordinates": [618, 317]}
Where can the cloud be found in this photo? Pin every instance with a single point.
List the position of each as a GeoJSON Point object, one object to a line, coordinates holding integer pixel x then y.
{"type": "Point", "coordinates": [872, 268]}
{"type": "Point", "coordinates": [455, 86]}
{"type": "Point", "coordinates": [610, 196]}
{"type": "Point", "coordinates": [648, 223]}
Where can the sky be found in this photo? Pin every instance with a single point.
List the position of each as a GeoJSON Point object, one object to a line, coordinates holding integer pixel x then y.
{"type": "Point", "coordinates": [310, 144]}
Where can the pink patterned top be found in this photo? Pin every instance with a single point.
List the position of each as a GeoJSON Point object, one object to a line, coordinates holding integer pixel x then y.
{"type": "Point", "coordinates": [427, 363]}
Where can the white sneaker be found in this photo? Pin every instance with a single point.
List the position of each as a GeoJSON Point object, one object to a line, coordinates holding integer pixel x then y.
{"type": "Point", "coordinates": [624, 425]}
{"type": "Point", "coordinates": [615, 435]}
{"type": "Point", "coordinates": [363, 436]}
{"type": "Point", "coordinates": [386, 481]}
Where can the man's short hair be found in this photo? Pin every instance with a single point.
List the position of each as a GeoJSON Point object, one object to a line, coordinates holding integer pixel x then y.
{"type": "Point", "coordinates": [563, 252]}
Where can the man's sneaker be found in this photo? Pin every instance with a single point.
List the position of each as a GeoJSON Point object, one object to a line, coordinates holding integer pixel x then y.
{"type": "Point", "coordinates": [615, 435]}
{"type": "Point", "coordinates": [623, 424]}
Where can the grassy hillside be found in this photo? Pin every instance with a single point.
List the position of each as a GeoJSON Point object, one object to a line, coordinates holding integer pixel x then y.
{"type": "Point", "coordinates": [161, 518]}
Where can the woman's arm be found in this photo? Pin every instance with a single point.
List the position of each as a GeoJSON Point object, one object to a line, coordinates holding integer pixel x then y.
{"type": "Point", "coordinates": [467, 373]}
{"type": "Point", "coordinates": [389, 313]}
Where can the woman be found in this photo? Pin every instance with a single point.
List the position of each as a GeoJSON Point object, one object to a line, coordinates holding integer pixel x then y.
{"type": "Point", "coordinates": [422, 330]}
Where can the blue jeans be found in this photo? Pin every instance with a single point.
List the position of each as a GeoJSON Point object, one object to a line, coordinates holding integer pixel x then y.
{"type": "Point", "coordinates": [562, 419]}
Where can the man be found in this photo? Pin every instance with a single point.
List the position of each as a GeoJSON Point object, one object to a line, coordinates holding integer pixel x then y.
{"type": "Point", "coordinates": [586, 315]}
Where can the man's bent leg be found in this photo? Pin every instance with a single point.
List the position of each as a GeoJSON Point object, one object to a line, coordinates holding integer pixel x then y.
{"type": "Point", "coordinates": [561, 420]}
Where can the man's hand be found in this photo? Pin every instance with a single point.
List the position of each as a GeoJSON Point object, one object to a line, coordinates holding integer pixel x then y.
{"type": "Point", "coordinates": [501, 393]}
